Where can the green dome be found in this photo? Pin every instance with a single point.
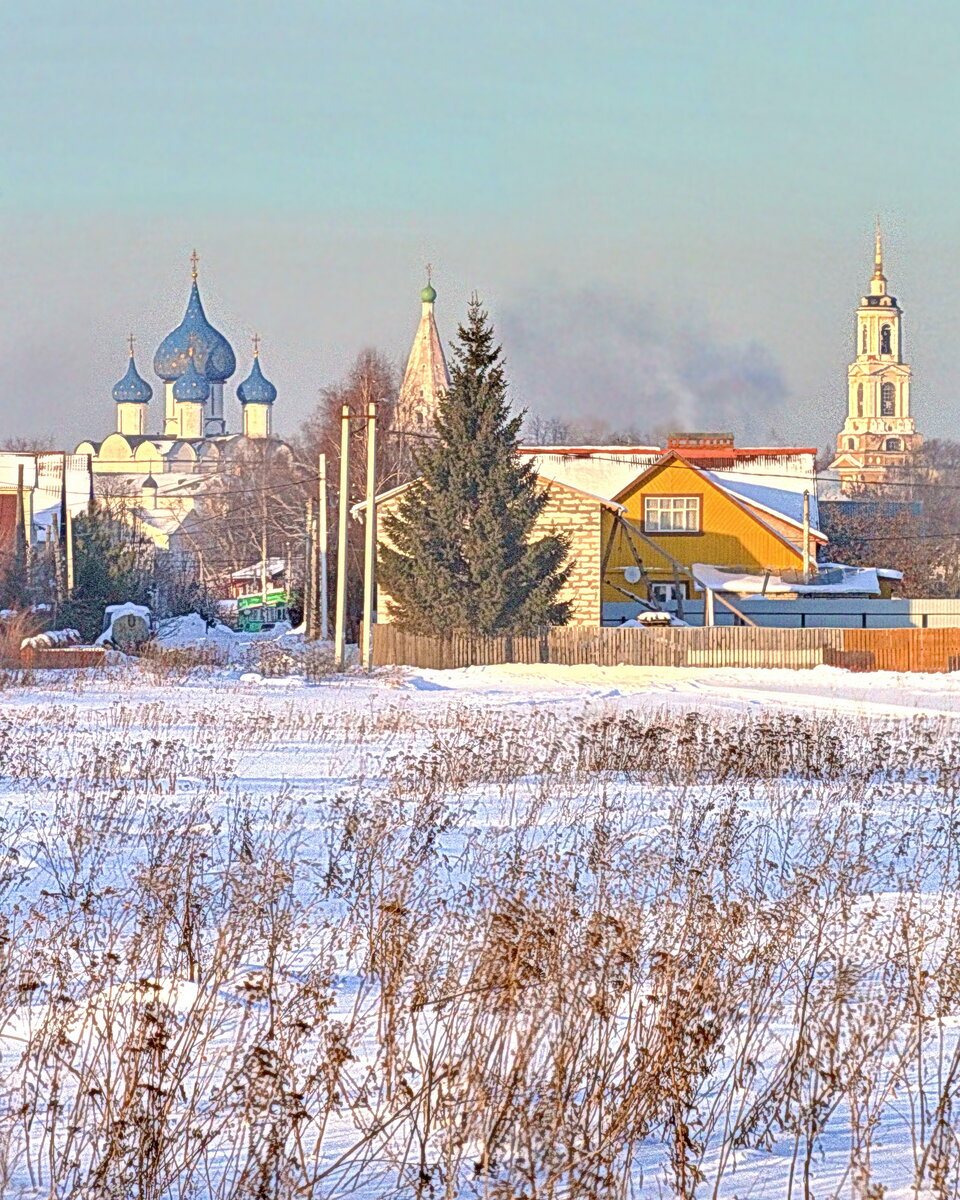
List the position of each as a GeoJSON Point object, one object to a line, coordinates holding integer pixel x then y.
{"type": "Point", "coordinates": [429, 294]}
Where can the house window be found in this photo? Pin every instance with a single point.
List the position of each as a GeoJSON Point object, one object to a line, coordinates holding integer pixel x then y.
{"type": "Point", "coordinates": [893, 444]}
{"type": "Point", "coordinates": [885, 339]}
{"type": "Point", "coordinates": [859, 399]}
{"type": "Point", "coordinates": [671, 514]}
{"type": "Point", "coordinates": [888, 396]}
{"type": "Point", "coordinates": [666, 593]}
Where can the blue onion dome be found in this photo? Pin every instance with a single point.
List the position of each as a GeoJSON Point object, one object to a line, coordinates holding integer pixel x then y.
{"type": "Point", "coordinates": [214, 354]}
{"type": "Point", "coordinates": [131, 389]}
{"type": "Point", "coordinates": [256, 389]}
{"type": "Point", "coordinates": [191, 385]}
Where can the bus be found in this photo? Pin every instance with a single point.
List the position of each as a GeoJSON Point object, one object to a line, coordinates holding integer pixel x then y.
{"type": "Point", "coordinates": [259, 612]}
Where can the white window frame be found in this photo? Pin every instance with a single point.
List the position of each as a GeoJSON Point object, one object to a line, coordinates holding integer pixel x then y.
{"type": "Point", "coordinates": [672, 514]}
{"type": "Point", "coordinates": [666, 593]}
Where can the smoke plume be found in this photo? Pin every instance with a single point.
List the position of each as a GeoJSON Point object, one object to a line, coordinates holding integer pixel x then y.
{"type": "Point", "coordinates": [594, 361]}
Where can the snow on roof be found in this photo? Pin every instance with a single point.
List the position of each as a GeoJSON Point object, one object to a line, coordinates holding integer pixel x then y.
{"type": "Point", "coordinates": [43, 478]}
{"type": "Point", "coordinates": [829, 579]}
{"type": "Point", "coordinates": [611, 504]}
{"type": "Point", "coordinates": [168, 483]}
{"type": "Point", "coordinates": [603, 473]}
{"type": "Point", "coordinates": [781, 501]}
{"type": "Point", "coordinates": [360, 507]}
{"type": "Point", "coordinates": [581, 451]}
{"type": "Point", "coordinates": [275, 566]}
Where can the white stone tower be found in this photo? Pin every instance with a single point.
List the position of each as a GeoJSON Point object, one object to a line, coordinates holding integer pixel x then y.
{"type": "Point", "coordinates": [879, 433]}
{"type": "Point", "coordinates": [256, 395]}
{"type": "Point", "coordinates": [132, 394]}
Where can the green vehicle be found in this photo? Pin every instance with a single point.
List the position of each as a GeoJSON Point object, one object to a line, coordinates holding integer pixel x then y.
{"type": "Point", "coordinates": [259, 612]}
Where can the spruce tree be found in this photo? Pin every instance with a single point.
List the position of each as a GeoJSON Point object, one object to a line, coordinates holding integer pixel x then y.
{"type": "Point", "coordinates": [462, 553]}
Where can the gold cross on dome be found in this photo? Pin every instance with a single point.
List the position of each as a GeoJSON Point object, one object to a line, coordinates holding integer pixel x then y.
{"type": "Point", "coordinates": [430, 273]}
{"type": "Point", "coordinates": [194, 259]}
{"type": "Point", "coordinates": [256, 345]}
{"type": "Point", "coordinates": [130, 340]}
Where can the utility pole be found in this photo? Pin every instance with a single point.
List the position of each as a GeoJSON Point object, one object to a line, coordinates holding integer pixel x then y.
{"type": "Point", "coordinates": [309, 583]}
{"type": "Point", "coordinates": [806, 537]}
{"type": "Point", "coordinates": [321, 540]}
{"type": "Point", "coordinates": [92, 499]}
{"type": "Point", "coordinates": [709, 609]}
{"type": "Point", "coordinates": [54, 551]}
{"type": "Point", "coordinates": [339, 637]}
{"type": "Point", "coordinates": [263, 541]}
{"type": "Point", "coordinates": [370, 539]}
{"type": "Point", "coordinates": [68, 545]}
{"type": "Point", "coordinates": [64, 500]}
{"type": "Point", "coordinates": [21, 536]}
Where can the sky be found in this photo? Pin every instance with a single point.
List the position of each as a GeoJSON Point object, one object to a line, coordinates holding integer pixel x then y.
{"type": "Point", "coordinates": [667, 205]}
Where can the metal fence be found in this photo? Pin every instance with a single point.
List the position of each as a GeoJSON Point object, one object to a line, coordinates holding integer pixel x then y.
{"type": "Point", "coordinates": [855, 649]}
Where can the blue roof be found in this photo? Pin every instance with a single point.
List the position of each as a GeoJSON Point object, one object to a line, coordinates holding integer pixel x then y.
{"type": "Point", "coordinates": [131, 389]}
{"type": "Point", "coordinates": [256, 389]}
{"type": "Point", "coordinates": [214, 354]}
{"type": "Point", "coordinates": [191, 385]}
{"type": "Point", "coordinates": [780, 500]}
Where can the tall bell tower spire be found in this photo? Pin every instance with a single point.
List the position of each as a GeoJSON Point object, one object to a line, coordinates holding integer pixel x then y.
{"type": "Point", "coordinates": [878, 284]}
{"type": "Point", "coordinates": [879, 433]}
{"type": "Point", "coordinates": [426, 377]}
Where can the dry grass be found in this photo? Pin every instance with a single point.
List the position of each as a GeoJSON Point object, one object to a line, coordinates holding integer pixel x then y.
{"type": "Point", "coordinates": [178, 664]}
{"type": "Point", "coordinates": [502, 956]}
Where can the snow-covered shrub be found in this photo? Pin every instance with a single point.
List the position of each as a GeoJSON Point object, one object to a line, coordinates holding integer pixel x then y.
{"type": "Point", "coordinates": [176, 664]}
{"type": "Point", "coordinates": [274, 659]}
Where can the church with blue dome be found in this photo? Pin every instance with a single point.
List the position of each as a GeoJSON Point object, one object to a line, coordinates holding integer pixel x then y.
{"type": "Point", "coordinates": [194, 364]}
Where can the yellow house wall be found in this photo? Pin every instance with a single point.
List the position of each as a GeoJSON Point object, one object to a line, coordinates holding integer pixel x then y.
{"type": "Point", "coordinates": [730, 537]}
{"type": "Point", "coordinates": [567, 512]}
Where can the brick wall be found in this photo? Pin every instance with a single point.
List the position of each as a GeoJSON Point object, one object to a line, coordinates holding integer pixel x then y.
{"type": "Point", "coordinates": [578, 516]}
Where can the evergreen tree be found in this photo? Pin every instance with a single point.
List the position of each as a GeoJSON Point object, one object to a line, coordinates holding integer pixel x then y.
{"type": "Point", "coordinates": [462, 553]}
{"type": "Point", "coordinates": [111, 566]}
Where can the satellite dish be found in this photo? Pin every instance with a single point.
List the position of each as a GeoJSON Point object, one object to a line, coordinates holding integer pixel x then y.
{"type": "Point", "coordinates": [632, 574]}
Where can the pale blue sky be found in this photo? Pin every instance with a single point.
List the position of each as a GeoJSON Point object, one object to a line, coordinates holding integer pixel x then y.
{"type": "Point", "coordinates": [677, 190]}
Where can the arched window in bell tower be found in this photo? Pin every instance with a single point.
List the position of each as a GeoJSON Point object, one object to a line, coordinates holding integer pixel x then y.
{"type": "Point", "coordinates": [888, 397]}
{"type": "Point", "coordinates": [863, 340]}
{"type": "Point", "coordinates": [885, 340]}
{"type": "Point", "coordinates": [859, 399]}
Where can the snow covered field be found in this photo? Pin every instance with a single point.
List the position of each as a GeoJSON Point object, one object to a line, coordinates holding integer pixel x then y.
{"type": "Point", "coordinates": [501, 932]}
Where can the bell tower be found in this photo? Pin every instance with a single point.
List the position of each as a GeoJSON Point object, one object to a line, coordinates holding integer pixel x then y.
{"type": "Point", "coordinates": [879, 433]}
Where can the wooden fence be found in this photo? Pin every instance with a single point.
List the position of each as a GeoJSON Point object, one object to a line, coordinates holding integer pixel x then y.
{"type": "Point", "coordinates": [57, 658]}
{"type": "Point", "coordinates": [720, 646]}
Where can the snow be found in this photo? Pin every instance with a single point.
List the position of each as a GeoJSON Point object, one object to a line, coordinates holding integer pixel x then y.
{"type": "Point", "coordinates": [830, 579]}
{"type": "Point", "coordinates": [52, 637]}
{"type": "Point", "coordinates": [193, 632]}
{"type": "Point", "coordinates": [274, 566]}
{"type": "Point", "coordinates": [604, 474]}
{"type": "Point", "coordinates": [775, 496]}
{"type": "Point", "coordinates": [289, 758]}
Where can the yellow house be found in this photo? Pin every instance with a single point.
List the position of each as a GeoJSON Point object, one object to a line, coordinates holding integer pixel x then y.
{"type": "Point", "coordinates": [676, 514]}
{"type": "Point", "coordinates": [644, 519]}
